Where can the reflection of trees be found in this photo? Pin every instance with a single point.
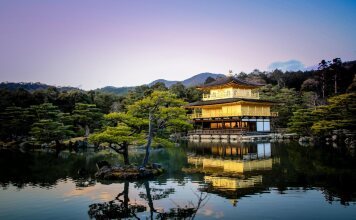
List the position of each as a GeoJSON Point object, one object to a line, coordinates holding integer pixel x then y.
{"type": "Point", "coordinates": [117, 208]}
{"type": "Point", "coordinates": [187, 212]}
{"type": "Point", "coordinates": [331, 170]}
{"type": "Point", "coordinates": [153, 194]}
{"type": "Point", "coordinates": [44, 169]}
{"type": "Point", "coordinates": [120, 207]}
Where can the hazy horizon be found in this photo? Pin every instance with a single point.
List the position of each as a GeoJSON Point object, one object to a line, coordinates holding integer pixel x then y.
{"type": "Point", "coordinates": [91, 44]}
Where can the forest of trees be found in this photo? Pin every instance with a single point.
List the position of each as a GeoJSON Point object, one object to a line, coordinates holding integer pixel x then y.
{"type": "Point", "coordinates": [311, 103]}
{"type": "Point", "coordinates": [146, 115]}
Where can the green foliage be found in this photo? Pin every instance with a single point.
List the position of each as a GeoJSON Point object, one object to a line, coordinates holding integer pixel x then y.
{"type": "Point", "coordinates": [159, 86]}
{"type": "Point", "coordinates": [167, 111]}
{"type": "Point", "coordinates": [190, 94]}
{"type": "Point", "coordinates": [339, 113]}
{"type": "Point", "coordinates": [67, 100]}
{"type": "Point", "coordinates": [288, 101]}
{"type": "Point", "coordinates": [301, 121]}
{"type": "Point", "coordinates": [127, 119]}
{"type": "Point", "coordinates": [15, 121]}
{"type": "Point", "coordinates": [50, 124]}
{"type": "Point", "coordinates": [44, 111]}
{"type": "Point", "coordinates": [47, 130]}
{"type": "Point", "coordinates": [156, 117]}
{"type": "Point", "coordinates": [87, 116]}
{"type": "Point", "coordinates": [106, 102]}
{"type": "Point", "coordinates": [117, 135]}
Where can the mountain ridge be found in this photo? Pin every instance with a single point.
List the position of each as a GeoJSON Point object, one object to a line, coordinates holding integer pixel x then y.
{"type": "Point", "coordinates": [31, 86]}
{"type": "Point", "coordinates": [192, 81]}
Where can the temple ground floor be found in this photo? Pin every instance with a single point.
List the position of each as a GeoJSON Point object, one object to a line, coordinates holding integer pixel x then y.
{"type": "Point", "coordinates": [231, 129]}
{"type": "Point", "coordinates": [231, 125]}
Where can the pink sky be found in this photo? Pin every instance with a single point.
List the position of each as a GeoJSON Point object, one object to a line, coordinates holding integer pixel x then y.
{"type": "Point", "coordinates": [125, 43]}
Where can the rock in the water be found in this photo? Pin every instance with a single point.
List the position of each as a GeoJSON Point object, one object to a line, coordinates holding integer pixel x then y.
{"type": "Point", "coordinates": [82, 171]}
{"type": "Point", "coordinates": [127, 173]}
{"type": "Point", "coordinates": [305, 139]}
{"type": "Point", "coordinates": [156, 165]}
{"type": "Point", "coordinates": [334, 137]}
{"type": "Point", "coordinates": [102, 163]}
{"type": "Point", "coordinates": [104, 171]}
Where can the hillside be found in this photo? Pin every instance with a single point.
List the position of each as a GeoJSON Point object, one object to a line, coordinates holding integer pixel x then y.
{"type": "Point", "coordinates": [31, 87]}
{"type": "Point", "coordinates": [192, 81]}
{"type": "Point", "coordinates": [115, 90]}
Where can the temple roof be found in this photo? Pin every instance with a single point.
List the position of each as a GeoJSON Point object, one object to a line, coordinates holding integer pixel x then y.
{"type": "Point", "coordinates": [229, 100]}
{"type": "Point", "coordinates": [229, 80]}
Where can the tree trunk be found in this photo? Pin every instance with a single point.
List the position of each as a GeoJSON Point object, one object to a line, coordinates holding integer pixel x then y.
{"type": "Point", "coordinates": [123, 150]}
{"type": "Point", "coordinates": [58, 147]}
{"type": "Point", "coordinates": [149, 140]}
{"type": "Point", "coordinates": [126, 153]}
{"type": "Point", "coordinates": [323, 86]}
{"type": "Point", "coordinates": [87, 130]}
{"type": "Point", "coordinates": [335, 85]}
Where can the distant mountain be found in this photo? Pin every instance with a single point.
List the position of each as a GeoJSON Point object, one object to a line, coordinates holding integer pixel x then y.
{"type": "Point", "coordinates": [168, 83]}
{"type": "Point", "coordinates": [116, 90]}
{"type": "Point", "coordinates": [31, 87]}
{"type": "Point", "coordinates": [192, 81]}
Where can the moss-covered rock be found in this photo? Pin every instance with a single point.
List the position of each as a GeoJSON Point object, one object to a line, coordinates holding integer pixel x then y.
{"type": "Point", "coordinates": [128, 172]}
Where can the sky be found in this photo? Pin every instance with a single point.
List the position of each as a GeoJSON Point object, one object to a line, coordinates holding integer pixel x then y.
{"type": "Point", "coordinates": [91, 44]}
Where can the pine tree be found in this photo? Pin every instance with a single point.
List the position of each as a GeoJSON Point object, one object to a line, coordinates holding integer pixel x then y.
{"type": "Point", "coordinates": [87, 116]}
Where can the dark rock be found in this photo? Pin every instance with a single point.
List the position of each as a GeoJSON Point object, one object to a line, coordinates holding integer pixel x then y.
{"type": "Point", "coordinates": [127, 173]}
{"type": "Point", "coordinates": [156, 166]}
{"type": "Point", "coordinates": [334, 137]}
{"type": "Point", "coordinates": [82, 171]}
{"type": "Point", "coordinates": [103, 172]}
{"type": "Point", "coordinates": [102, 163]}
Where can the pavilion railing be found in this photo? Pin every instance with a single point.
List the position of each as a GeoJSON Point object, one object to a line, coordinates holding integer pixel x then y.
{"type": "Point", "coordinates": [221, 114]}
{"type": "Point", "coordinates": [226, 95]}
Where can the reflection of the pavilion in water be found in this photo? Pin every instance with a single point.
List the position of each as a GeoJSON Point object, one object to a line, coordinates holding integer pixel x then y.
{"type": "Point", "coordinates": [233, 170]}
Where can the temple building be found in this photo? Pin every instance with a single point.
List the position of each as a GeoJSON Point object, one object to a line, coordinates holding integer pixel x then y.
{"type": "Point", "coordinates": [231, 106]}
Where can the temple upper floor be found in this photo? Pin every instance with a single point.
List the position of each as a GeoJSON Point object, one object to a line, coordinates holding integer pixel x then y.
{"type": "Point", "coordinates": [229, 87]}
{"type": "Point", "coordinates": [224, 93]}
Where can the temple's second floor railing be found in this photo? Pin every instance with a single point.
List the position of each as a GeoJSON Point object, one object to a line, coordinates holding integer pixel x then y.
{"type": "Point", "coordinates": [226, 95]}
{"type": "Point", "coordinates": [222, 114]}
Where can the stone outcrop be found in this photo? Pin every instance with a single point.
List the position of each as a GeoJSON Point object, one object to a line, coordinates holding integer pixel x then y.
{"type": "Point", "coordinates": [107, 172]}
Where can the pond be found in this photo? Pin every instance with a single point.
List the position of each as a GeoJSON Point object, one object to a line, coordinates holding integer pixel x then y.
{"type": "Point", "coordinates": [202, 181]}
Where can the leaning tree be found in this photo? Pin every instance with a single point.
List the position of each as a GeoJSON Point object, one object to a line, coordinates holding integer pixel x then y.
{"type": "Point", "coordinates": [153, 118]}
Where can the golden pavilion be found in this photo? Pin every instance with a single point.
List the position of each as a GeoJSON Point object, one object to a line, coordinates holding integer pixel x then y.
{"type": "Point", "coordinates": [231, 106]}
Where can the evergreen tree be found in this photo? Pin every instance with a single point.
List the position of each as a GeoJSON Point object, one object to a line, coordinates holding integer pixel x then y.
{"type": "Point", "coordinates": [165, 116]}
{"type": "Point", "coordinates": [15, 122]}
{"type": "Point", "coordinates": [301, 122]}
{"type": "Point", "coordinates": [49, 125]}
{"type": "Point", "coordinates": [339, 113]}
{"type": "Point", "coordinates": [87, 116]}
{"type": "Point", "coordinates": [125, 130]}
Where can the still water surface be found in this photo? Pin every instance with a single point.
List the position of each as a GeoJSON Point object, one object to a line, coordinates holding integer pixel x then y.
{"type": "Point", "coordinates": [203, 181]}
